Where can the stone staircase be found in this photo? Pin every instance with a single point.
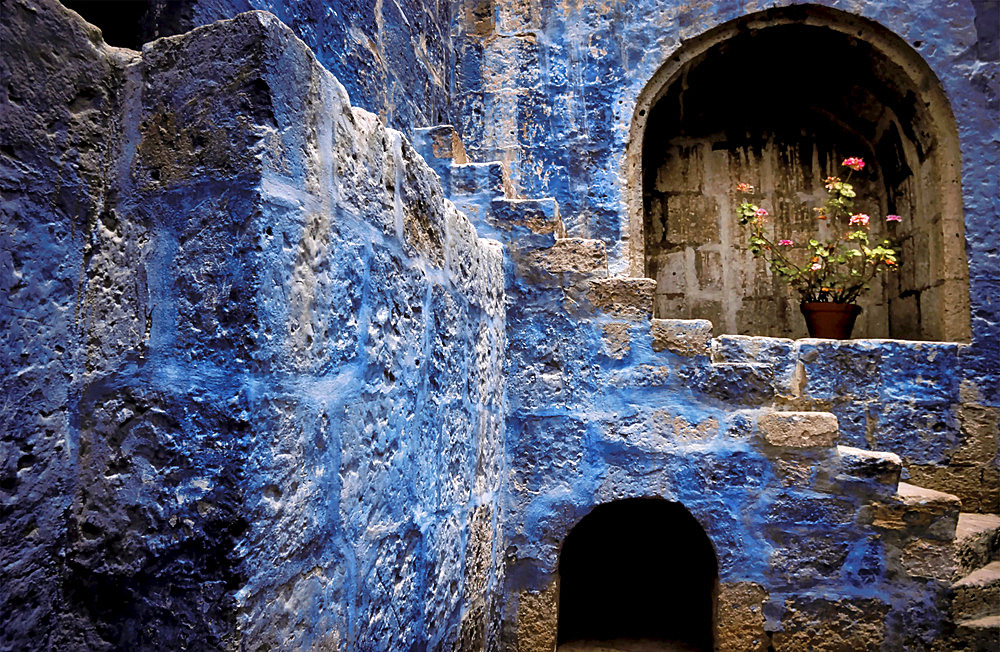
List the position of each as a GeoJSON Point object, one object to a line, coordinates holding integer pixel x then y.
{"type": "Point", "coordinates": [935, 541]}
{"type": "Point", "coordinates": [975, 604]}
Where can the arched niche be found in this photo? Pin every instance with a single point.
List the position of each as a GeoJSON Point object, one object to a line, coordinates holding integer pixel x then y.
{"type": "Point", "coordinates": [637, 571]}
{"type": "Point", "coordinates": [778, 99]}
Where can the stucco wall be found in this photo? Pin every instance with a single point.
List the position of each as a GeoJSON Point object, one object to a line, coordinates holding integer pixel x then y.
{"type": "Point", "coordinates": [252, 367]}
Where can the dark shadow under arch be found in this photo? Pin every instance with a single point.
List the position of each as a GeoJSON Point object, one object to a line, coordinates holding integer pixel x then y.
{"type": "Point", "coordinates": [640, 568]}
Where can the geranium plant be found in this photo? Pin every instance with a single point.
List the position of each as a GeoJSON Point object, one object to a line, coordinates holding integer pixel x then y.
{"type": "Point", "coordinates": [837, 268]}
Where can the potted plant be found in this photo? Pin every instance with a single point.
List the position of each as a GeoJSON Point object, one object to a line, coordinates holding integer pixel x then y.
{"type": "Point", "coordinates": [832, 269]}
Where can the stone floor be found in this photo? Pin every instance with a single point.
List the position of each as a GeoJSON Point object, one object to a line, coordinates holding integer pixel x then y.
{"type": "Point", "coordinates": [626, 645]}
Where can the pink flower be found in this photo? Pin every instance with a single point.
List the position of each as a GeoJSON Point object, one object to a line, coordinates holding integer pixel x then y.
{"type": "Point", "coordinates": [785, 243]}
{"type": "Point", "coordinates": [760, 213]}
{"type": "Point", "coordinates": [860, 218]}
{"type": "Point", "coordinates": [854, 163]}
{"type": "Point", "coordinates": [893, 218]}
{"type": "Point", "coordinates": [816, 267]}
{"type": "Point", "coordinates": [744, 187]}
{"type": "Point", "coordinates": [830, 182]}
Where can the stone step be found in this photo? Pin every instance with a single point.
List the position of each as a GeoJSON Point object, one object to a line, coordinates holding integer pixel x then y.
{"type": "Point", "coordinates": [575, 257]}
{"type": "Point", "coordinates": [868, 467]}
{"type": "Point", "coordinates": [977, 541]}
{"type": "Point", "coordinates": [623, 297]}
{"type": "Point", "coordinates": [685, 337]}
{"type": "Point", "coordinates": [441, 147]}
{"type": "Point", "coordinates": [977, 594]}
{"type": "Point", "coordinates": [478, 180]}
{"type": "Point", "coordinates": [977, 635]}
{"type": "Point", "coordinates": [799, 429]}
{"type": "Point", "coordinates": [523, 224]}
{"type": "Point", "coordinates": [925, 514]}
{"type": "Point", "coordinates": [440, 142]}
{"type": "Point", "coordinates": [751, 349]}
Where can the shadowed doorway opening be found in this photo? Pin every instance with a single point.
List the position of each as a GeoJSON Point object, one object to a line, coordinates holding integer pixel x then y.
{"type": "Point", "coordinates": [637, 574]}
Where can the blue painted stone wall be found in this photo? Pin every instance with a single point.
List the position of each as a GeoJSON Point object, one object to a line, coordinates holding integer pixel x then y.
{"type": "Point", "coordinates": [393, 57]}
{"type": "Point", "coordinates": [252, 357]}
{"type": "Point", "coordinates": [265, 386]}
{"type": "Point", "coordinates": [550, 89]}
{"type": "Point", "coordinates": [48, 196]}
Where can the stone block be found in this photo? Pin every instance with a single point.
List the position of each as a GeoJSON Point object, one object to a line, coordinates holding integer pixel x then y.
{"type": "Point", "coordinates": [692, 219]}
{"type": "Point", "coordinates": [921, 433]}
{"type": "Point", "coordinates": [798, 429]}
{"type": "Point", "coordinates": [736, 383]}
{"type": "Point", "coordinates": [686, 337]}
{"type": "Point", "coordinates": [835, 370]}
{"type": "Point", "coordinates": [478, 178]}
{"type": "Point", "coordinates": [623, 297]}
{"type": "Point", "coordinates": [794, 509]}
{"type": "Point", "coordinates": [711, 310]}
{"type": "Point", "coordinates": [977, 541]}
{"type": "Point", "coordinates": [919, 512]}
{"type": "Point", "coordinates": [708, 270]}
{"type": "Point", "coordinates": [573, 256]}
{"type": "Point", "coordinates": [549, 452]}
{"type": "Point", "coordinates": [616, 337]}
{"type": "Point", "coordinates": [978, 487]}
{"type": "Point", "coordinates": [423, 205]}
{"type": "Point", "coordinates": [681, 170]}
{"type": "Point", "coordinates": [806, 557]}
{"type": "Point", "coordinates": [760, 350]}
{"type": "Point", "coordinates": [441, 142]}
{"type": "Point", "coordinates": [928, 560]}
{"type": "Point", "coordinates": [537, 619]}
{"type": "Point", "coordinates": [977, 594]}
{"type": "Point", "coordinates": [831, 624]}
{"type": "Point", "coordinates": [919, 371]}
{"type": "Point", "coordinates": [883, 468]}
{"type": "Point", "coordinates": [978, 439]}
{"type": "Point", "coordinates": [741, 622]}
{"type": "Point", "coordinates": [526, 223]}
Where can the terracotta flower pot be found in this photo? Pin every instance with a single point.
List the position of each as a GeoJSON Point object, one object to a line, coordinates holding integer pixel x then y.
{"type": "Point", "coordinates": [833, 321]}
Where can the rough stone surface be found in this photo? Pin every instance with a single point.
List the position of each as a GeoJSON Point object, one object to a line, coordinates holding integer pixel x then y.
{"type": "Point", "coordinates": [630, 298]}
{"type": "Point", "coordinates": [536, 621]}
{"type": "Point", "coordinates": [681, 336]}
{"type": "Point", "coordinates": [798, 429]}
{"type": "Point", "coordinates": [839, 624]}
{"type": "Point", "coordinates": [265, 384]}
{"type": "Point", "coordinates": [279, 415]}
{"type": "Point", "coordinates": [393, 58]}
{"type": "Point", "coordinates": [742, 625]}
{"type": "Point", "coordinates": [978, 594]}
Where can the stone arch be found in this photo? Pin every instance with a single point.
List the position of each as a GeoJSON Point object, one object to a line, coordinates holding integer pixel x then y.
{"type": "Point", "coordinates": [638, 569]}
{"type": "Point", "coordinates": [902, 121]}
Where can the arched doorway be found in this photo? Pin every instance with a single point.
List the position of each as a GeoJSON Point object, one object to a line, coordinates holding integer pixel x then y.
{"type": "Point", "coordinates": [637, 572]}
{"type": "Point", "coordinates": [778, 99]}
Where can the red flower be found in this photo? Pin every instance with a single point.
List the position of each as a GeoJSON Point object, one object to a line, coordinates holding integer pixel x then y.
{"type": "Point", "coordinates": [854, 163]}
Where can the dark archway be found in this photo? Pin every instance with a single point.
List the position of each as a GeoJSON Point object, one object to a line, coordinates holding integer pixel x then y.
{"type": "Point", "coordinates": [777, 99]}
{"type": "Point", "coordinates": [638, 569]}
{"type": "Point", "coordinates": [132, 23]}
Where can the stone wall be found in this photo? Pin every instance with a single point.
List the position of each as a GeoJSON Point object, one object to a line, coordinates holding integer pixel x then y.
{"type": "Point", "coordinates": [772, 446]}
{"type": "Point", "coordinates": [394, 58]}
{"type": "Point", "coordinates": [55, 150]}
{"type": "Point", "coordinates": [555, 90]}
{"type": "Point", "coordinates": [265, 386]}
{"type": "Point", "coordinates": [252, 356]}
